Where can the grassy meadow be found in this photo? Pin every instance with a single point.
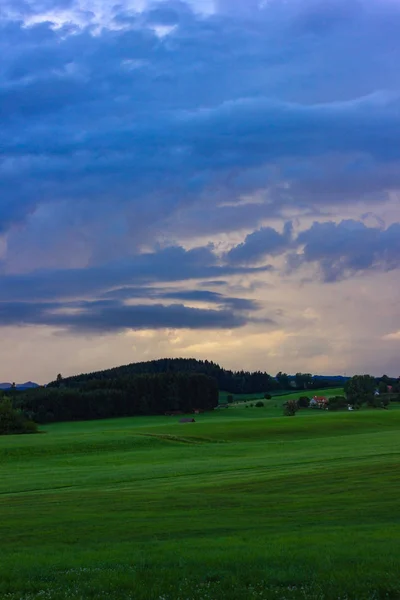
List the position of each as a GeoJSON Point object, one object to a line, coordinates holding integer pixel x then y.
{"type": "Point", "coordinates": [278, 398]}
{"type": "Point", "coordinates": [242, 504]}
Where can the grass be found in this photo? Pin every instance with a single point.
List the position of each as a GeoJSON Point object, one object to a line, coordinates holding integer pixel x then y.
{"type": "Point", "coordinates": [235, 506]}
{"type": "Point", "coordinates": [278, 394]}
{"type": "Point", "coordinates": [275, 403]}
{"type": "Point", "coordinates": [223, 396]}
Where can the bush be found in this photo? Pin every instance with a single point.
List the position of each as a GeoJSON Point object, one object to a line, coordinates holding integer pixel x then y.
{"type": "Point", "coordinates": [30, 427]}
{"type": "Point", "coordinates": [381, 401]}
{"type": "Point", "coordinates": [377, 402]}
{"type": "Point", "coordinates": [259, 404]}
{"type": "Point", "coordinates": [385, 401]}
{"type": "Point", "coordinates": [267, 396]}
{"type": "Point", "coordinates": [290, 408]}
{"type": "Point", "coordinates": [229, 399]}
{"type": "Point", "coordinates": [394, 397]}
{"type": "Point", "coordinates": [337, 402]}
{"type": "Point", "coordinates": [303, 402]}
{"type": "Point", "coordinates": [14, 421]}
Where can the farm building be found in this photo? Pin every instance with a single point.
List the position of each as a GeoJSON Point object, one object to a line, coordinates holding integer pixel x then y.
{"type": "Point", "coordinates": [319, 402]}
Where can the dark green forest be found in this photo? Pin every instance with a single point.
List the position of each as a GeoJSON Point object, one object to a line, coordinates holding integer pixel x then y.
{"type": "Point", "coordinates": [234, 382]}
{"type": "Point", "coordinates": [118, 396]}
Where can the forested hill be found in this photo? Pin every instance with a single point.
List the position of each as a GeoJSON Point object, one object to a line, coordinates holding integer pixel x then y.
{"type": "Point", "coordinates": [237, 382]}
{"type": "Point", "coordinates": [119, 396]}
{"type": "Point", "coordinates": [163, 365]}
{"type": "Point", "coordinates": [231, 381]}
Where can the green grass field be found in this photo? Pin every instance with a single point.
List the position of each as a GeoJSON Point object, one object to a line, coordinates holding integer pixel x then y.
{"type": "Point", "coordinates": [278, 398]}
{"type": "Point", "coordinates": [242, 504]}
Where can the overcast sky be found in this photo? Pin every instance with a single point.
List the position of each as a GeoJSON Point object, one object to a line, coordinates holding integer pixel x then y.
{"type": "Point", "coordinates": [214, 178]}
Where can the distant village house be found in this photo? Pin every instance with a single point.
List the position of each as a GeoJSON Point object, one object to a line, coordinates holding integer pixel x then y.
{"type": "Point", "coordinates": [319, 402]}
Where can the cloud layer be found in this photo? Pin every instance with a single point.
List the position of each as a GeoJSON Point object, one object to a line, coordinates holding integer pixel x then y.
{"type": "Point", "coordinates": [144, 126]}
{"type": "Point", "coordinates": [161, 163]}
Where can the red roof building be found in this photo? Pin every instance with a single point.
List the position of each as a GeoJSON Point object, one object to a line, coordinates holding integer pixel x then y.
{"type": "Point", "coordinates": [321, 399]}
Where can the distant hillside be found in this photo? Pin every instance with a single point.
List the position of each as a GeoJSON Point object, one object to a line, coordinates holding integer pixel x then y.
{"type": "Point", "coordinates": [19, 386]}
{"type": "Point", "coordinates": [235, 382]}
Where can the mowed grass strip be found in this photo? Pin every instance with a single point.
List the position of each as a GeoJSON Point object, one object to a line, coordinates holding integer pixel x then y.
{"type": "Point", "coordinates": [303, 507]}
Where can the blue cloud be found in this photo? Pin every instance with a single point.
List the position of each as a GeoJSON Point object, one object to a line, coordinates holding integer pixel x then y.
{"type": "Point", "coordinates": [213, 298]}
{"type": "Point", "coordinates": [339, 250]}
{"type": "Point", "coordinates": [115, 139]}
{"type": "Point", "coordinates": [203, 296]}
{"type": "Point", "coordinates": [172, 264]}
{"type": "Point", "coordinates": [261, 243]}
{"type": "Point", "coordinates": [112, 316]}
{"type": "Point", "coordinates": [125, 115]}
{"type": "Point", "coordinates": [343, 249]}
{"type": "Point", "coordinates": [168, 14]}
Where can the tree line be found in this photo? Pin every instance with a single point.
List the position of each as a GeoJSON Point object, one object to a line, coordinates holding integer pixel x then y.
{"type": "Point", "coordinates": [123, 396]}
{"type": "Point", "coordinates": [365, 389]}
{"type": "Point", "coordinates": [234, 382]}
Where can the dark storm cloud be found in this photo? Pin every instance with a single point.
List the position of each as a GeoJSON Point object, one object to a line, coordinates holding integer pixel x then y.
{"type": "Point", "coordinates": [261, 243]}
{"type": "Point", "coordinates": [112, 316]}
{"type": "Point", "coordinates": [124, 117]}
{"type": "Point", "coordinates": [53, 296]}
{"type": "Point", "coordinates": [344, 249]}
{"type": "Point", "coordinates": [339, 250]}
{"type": "Point", "coordinates": [66, 298]}
{"type": "Point", "coordinates": [203, 296]}
{"type": "Point", "coordinates": [167, 265]}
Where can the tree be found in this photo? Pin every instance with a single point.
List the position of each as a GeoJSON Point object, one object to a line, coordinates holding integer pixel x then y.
{"type": "Point", "coordinates": [303, 380]}
{"type": "Point", "coordinates": [303, 402]}
{"type": "Point", "coordinates": [12, 420]}
{"type": "Point", "coordinates": [290, 408]}
{"type": "Point", "coordinates": [337, 402]}
{"type": "Point", "coordinates": [385, 402]}
{"type": "Point", "coordinates": [283, 380]}
{"type": "Point", "coordinates": [383, 387]}
{"type": "Point", "coordinates": [360, 389]}
{"type": "Point", "coordinates": [229, 399]}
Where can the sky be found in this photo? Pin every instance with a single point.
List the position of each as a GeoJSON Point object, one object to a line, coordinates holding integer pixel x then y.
{"type": "Point", "coordinates": [217, 179]}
